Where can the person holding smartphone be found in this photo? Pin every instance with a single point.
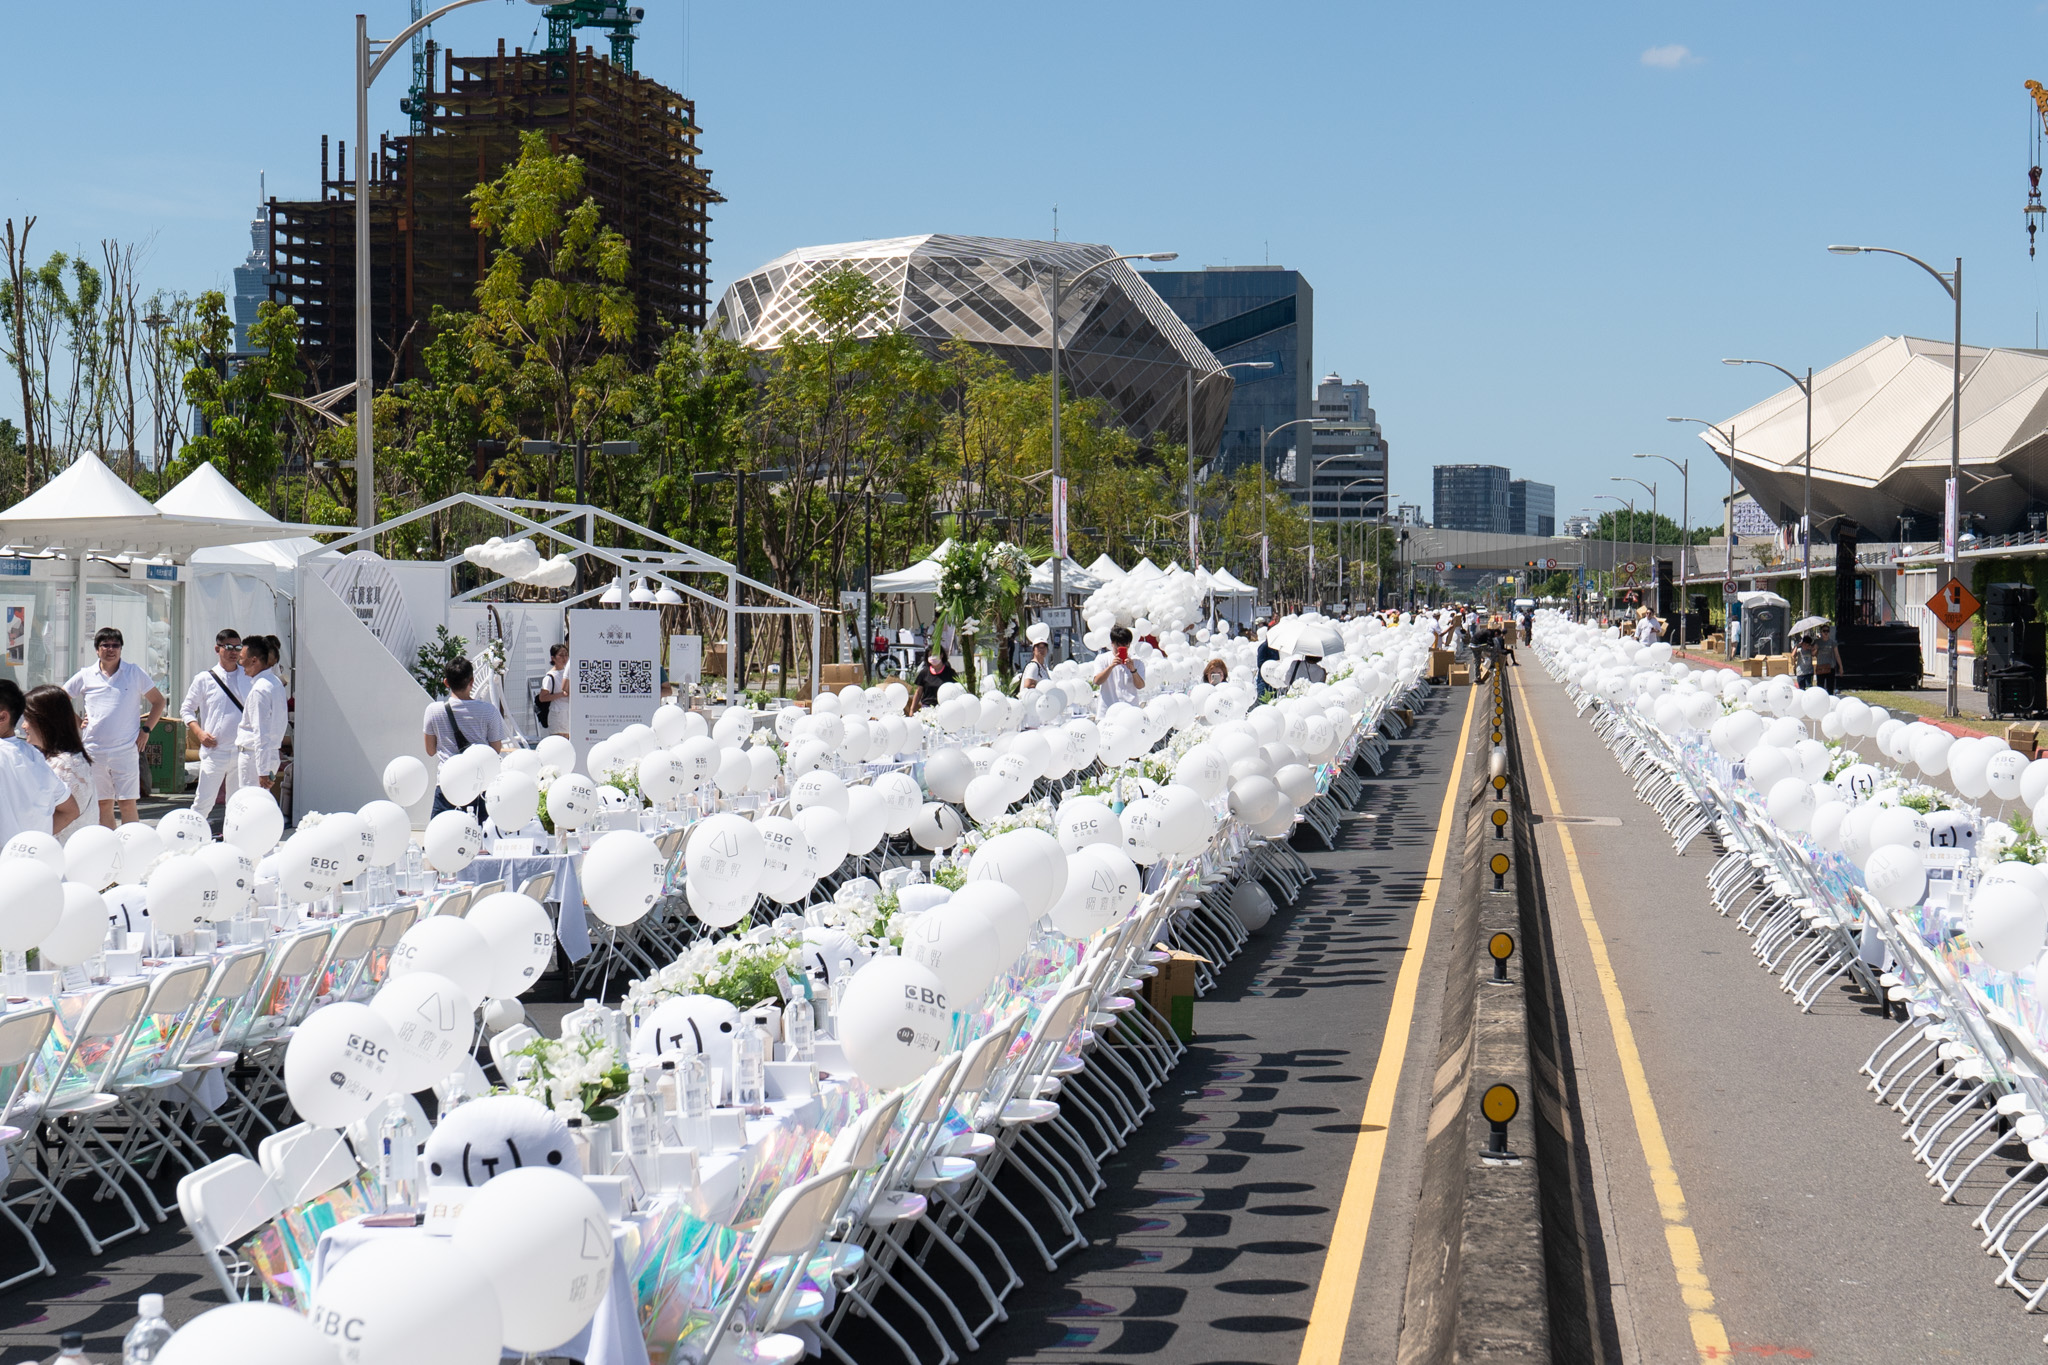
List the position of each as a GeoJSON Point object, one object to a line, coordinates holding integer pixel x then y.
{"type": "Point", "coordinates": [1125, 676]}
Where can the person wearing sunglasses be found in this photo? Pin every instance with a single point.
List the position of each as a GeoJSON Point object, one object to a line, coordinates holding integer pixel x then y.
{"type": "Point", "coordinates": [213, 715]}
{"type": "Point", "coordinates": [121, 704]}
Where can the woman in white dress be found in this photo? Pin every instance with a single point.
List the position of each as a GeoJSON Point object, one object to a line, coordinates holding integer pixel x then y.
{"type": "Point", "coordinates": [50, 725]}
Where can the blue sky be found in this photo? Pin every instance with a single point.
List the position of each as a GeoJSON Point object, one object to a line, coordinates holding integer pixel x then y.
{"type": "Point", "coordinates": [1533, 230]}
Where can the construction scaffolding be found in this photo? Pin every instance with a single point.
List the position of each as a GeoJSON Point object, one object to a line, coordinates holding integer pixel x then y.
{"type": "Point", "coordinates": [637, 140]}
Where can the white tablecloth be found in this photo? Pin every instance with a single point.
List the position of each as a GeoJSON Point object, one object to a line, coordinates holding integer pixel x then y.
{"type": "Point", "coordinates": [612, 1338]}
{"type": "Point", "coordinates": [572, 929]}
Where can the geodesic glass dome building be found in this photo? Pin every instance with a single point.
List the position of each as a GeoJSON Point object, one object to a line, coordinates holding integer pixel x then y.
{"type": "Point", "coordinates": [1118, 340]}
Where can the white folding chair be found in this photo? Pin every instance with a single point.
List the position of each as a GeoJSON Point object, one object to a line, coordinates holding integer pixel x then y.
{"type": "Point", "coordinates": [769, 1296]}
{"type": "Point", "coordinates": [224, 1203]}
{"type": "Point", "coordinates": [304, 1161]}
{"type": "Point", "coordinates": [22, 1035]}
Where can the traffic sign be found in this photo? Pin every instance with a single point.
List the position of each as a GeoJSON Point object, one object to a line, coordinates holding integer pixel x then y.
{"type": "Point", "coordinates": [1442, 564]}
{"type": "Point", "coordinates": [1549, 563]}
{"type": "Point", "coordinates": [1954, 604]}
{"type": "Point", "coordinates": [1628, 566]}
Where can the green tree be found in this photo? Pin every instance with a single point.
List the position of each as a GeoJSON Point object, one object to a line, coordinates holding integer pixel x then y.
{"type": "Point", "coordinates": [243, 416]}
{"type": "Point", "coordinates": [554, 315]}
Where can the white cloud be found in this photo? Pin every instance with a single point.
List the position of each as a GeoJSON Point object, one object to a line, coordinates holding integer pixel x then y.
{"type": "Point", "coordinates": [1668, 56]}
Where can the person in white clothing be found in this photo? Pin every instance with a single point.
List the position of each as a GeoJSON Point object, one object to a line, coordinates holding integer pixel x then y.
{"type": "Point", "coordinates": [50, 726]}
{"type": "Point", "coordinates": [551, 702]}
{"type": "Point", "coordinates": [259, 739]}
{"type": "Point", "coordinates": [1648, 627]}
{"type": "Point", "coordinates": [31, 795]}
{"type": "Point", "coordinates": [1125, 676]}
{"type": "Point", "coordinates": [114, 694]}
{"type": "Point", "coordinates": [450, 726]}
{"type": "Point", "coordinates": [213, 715]}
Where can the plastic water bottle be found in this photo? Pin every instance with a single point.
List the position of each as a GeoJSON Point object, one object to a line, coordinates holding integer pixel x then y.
{"type": "Point", "coordinates": [640, 1115]}
{"type": "Point", "coordinates": [800, 1027]}
{"type": "Point", "coordinates": [750, 1068]}
{"type": "Point", "coordinates": [398, 1154]}
{"type": "Point", "coordinates": [148, 1335]}
{"type": "Point", "coordinates": [696, 1098]}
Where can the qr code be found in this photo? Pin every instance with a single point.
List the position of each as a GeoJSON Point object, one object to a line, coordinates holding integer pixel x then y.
{"type": "Point", "coordinates": [636, 677]}
{"type": "Point", "coordinates": [594, 677]}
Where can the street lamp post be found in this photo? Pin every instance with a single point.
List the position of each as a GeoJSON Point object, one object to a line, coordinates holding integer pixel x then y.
{"type": "Point", "coordinates": [1194, 521]}
{"type": "Point", "coordinates": [1265, 437]}
{"type": "Point", "coordinates": [369, 66]}
{"type": "Point", "coordinates": [1806, 514]}
{"type": "Point", "coordinates": [1629, 503]}
{"type": "Point", "coordinates": [1656, 579]}
{"type": "Point", "coordinates": [1952, 284]}
{"type": "Point", "coordinates": [1727, 435]}
{"type": "Point", "coordinates": [1053, 313]}
{"type": "Point", "coordinates": [1684, 533]}
{"type": "Point", "coordinates": [1380, 498]}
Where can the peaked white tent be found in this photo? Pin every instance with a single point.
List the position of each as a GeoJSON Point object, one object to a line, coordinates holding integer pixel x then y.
{"type": "Point", "coordinates": [1105, 569]}
{"type": "Point", "coordinates": [1224, 583]}
{"type": "Point", "coordinates": [1073, 578]}
{"type": "Point", "coordinates": [921, 578]}
{"type": "Point", "coordinates": [1145, 568]}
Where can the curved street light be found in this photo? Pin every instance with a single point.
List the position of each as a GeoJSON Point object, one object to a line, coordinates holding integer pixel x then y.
{"type": "Point", "coordinates": [1629, 503]}
{"type": "Point", "coordinates": [1265, 438]}
{"type": "Point", "coordinates": [1193, 384]}
{"type": "Point", "coordinates": [1951, 283]}
{"type": "Point", "coordinates": [1684, 532]}
{"type": "Point", "coordinates": [1806, 514]}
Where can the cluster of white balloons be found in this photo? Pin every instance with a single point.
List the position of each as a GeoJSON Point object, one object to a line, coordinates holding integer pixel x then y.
{"type": "Point", "coordinates": [1765, 726]}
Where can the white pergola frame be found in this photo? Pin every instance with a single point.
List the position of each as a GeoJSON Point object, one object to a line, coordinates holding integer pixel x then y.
{"type": "Point", "coordinates": [536, 520]}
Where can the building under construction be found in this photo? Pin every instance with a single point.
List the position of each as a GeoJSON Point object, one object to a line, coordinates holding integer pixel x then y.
{"type": "Point", "coordinates": [638, 143]}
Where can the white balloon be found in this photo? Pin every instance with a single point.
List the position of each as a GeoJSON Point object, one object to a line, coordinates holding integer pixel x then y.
{"type": "Point", "coordinates": [183, 894]}
{"type": "Point", "coordinates": [553, 751]}
{"type": "Point", "coordinates": [866, 816]}
{"type": "Point", "coordinates": [1969, 769]}
{"type": "Point", "coordinates": [32, 843]}
{"type": "Point", "coordinates": [139, 848]}
{"type": "Point", "coordinates": [1254, 799]}
{"type": "Point", "coordinates": [829, 838]}
{"type": "Point", "coordinates": [958, 944]}
{"type": "Point", "coordinates": [572, 801]}
{"type": "Point", "coordinates": [2006, 923]}
{"type": "Point", "coordinates": [1185, 823]}
{"type": "Point", "coordinates": [894, 1021]}
{"type": "Point", "coordinates": [1791, 803]}
{"type": "Point", "coordinates": [818, 788]}
{"type": "Point", "coordinates": [785, 860]}
{"type": "Point", "coordinates": [390, 830]}
{"type": "Point", "coordinates": [716, 911]}
{"type": "Point", "coordinates": [446, 946]}
{"type": "Point", "coordinates": [1085, 820]}
{"type": "Point", "coordinates": [900, 796]}
{"type": "Point", "coordinates": [429, 1018]}
{"type": "Point", "coordinates": [254, 825]}
{"type": "Point", "coordinates": [765, 768]}
{"type": "Point", "coordinates": [249, 1334]}
{"type": "Point", "coordinates": [1098, 878]}
{"type": "Point", "coordinates": [234, 875]}
{"type": "Point", "coordinates": [512, 800]}
{"type": "Point", "coordinates": [1028, 860]}
{"type": "Point", "coordinates": [90, 854]}
{"type": "Point", "coordinates": [408, 1301]}
{"type": "Point", "coordinates": [184, 831]}
{"type": "Point", "coordinates": [987, 797]}
{"type": "Point", "coordinates": [698, 757]}
{"type": "Point", "coordinates": [1896, 875]}
{"type": "Point", "coordinates": [1826, 826]}
{"type": "Point", "coordinates": [405, 779]}
{"type": "Point", "coordinates": [2033, 784]}
{"type": "Point", "coordinates": [542, 1239]}
{"type": "Point", "coordinates": [947, 773]}
{"type": "Point", "coordinates": [81, 929]}
{"type": "Point", "coordinates": [338, 1064]}
{"type": "Point", "coordinates": [2004, 772]}
{"type": "Point", "coordinates": [518, 938]}
{"type": "Point", "coordinates": [622, 876]}
{"type": "Point", "coordinates": [735, 773]}
{"type": "Point", "coordinates": [724, 857]}
{"type": "Point", "coordinates": [352, 840]}
{"type": "Point", "coordinates": [935, 827]}
{"type": "Point", "coordinates": [452, 842]}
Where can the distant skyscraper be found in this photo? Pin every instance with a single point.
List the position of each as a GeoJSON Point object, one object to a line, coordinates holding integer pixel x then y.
{"type": "Point", "coordinates": [1580, 525]}
{"type": "Point", "coordinates": [1350, 454]}
{"type": "Point", "coordinates": [252, 277]}
{"type": "Point", "coordinates": [1532, 508]}
{"type": "Point", "coordinates": [1409, 513]}
{"type": "Point", "coordinates": [1471, 497]}
{"type": "Point", "coordinates": [1257, 313]}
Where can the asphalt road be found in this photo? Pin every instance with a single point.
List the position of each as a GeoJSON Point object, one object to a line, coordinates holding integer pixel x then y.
{"type": "Point", "coordinates": [1208, 1246]}
{"type": "Point", "coordinates": [1818, 1233]}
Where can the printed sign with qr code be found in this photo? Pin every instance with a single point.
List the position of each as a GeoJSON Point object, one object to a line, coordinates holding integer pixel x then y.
{"type": "Point", "coordinates": [636, 677]}
{"type": "Point", "coordinates": [594, 677]}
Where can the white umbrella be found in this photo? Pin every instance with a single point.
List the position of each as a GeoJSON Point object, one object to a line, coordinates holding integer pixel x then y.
{"type": "Point", "coordinates": [1806, 623]}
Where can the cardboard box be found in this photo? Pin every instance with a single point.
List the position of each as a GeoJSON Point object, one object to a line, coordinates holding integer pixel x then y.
{"type": "Point", "coordinates": [1461, 676]}
{"type": "Point", "coordinates": [1171, 990]}
{"type": "Point", "coordinates": [836, 676]}
{"type": "Point", "coordinates": [1440, 661]}
{"type": "Point", "coordinates": [2024, 736]}
{"type": "Point", "coordinates": [1778, 665]}
{"type": "Point", "coordinates": [1753, 668]}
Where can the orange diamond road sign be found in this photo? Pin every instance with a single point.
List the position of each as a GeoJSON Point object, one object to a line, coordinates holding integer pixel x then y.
{"type": "Point", "coordinates": [1953, 605]}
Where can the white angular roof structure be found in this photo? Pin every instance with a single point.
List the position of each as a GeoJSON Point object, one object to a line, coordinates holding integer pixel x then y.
{"type": "Point", "coordinates": [1881, 439]}
{"type": "Point", "coordinates": [1119, 341]}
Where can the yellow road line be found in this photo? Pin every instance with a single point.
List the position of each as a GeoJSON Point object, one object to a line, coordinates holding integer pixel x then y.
{"type": "Point", "coordinates": [1331, 1315]}
{"type": "Point", "coordinates": [1709, 1337]}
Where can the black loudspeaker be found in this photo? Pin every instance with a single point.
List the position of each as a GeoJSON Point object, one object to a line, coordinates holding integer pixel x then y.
{"type": "Point", "coordinates": [2018, 645]}
{"type": "Point", "coordinates": [2007, 604]}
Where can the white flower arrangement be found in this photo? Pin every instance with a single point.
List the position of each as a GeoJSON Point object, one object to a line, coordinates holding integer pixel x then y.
{"type": "Point", "coordinates": [491, 658]}
{"type": "Point", "coordinates": [739, 969]}
{"type": "Point", "coordinates": [577, 1073]}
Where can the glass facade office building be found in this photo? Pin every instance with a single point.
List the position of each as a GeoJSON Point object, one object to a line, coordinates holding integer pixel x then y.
{"type": "Point", "coordinates": [1252, 313]}
{"type": "Point", "coordinates": [1532, 508]}
{"type": "Point", "coordinates": [1472, 497]}
{"type": "Point", "coordinates": [1118, 341]}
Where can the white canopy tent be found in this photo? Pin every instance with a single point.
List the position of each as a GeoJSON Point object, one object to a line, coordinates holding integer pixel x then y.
{"type": "Point", "coordinates": [104, 529]}
{"type": "Point", "coordinates": [1105, 569]}
{"type": "Point", "coordinates": [921, 578]}
{"type": "Point", "coordinates": [1073, 578]}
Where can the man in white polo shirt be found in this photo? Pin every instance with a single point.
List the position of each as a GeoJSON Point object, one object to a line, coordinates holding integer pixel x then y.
{"type": "Point", "coordinates": [113, 694]}
{"type": "Point", "coordinates": [213, 715]}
